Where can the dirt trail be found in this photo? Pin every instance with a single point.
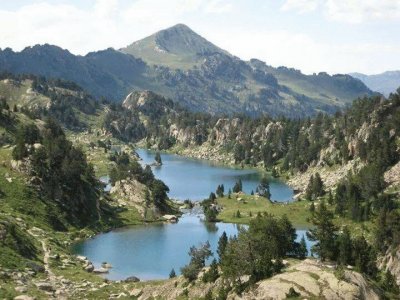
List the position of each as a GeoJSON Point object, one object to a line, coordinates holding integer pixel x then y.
{"type": "Point", "coordinates": [52, 278]}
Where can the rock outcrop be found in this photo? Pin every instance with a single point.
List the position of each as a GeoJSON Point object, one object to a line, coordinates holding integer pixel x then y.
{"type": "Point", "coordinates": [392, 176]}
{"type": "Point", "coordinates": [391, 262]}
{"type": "Point", "coordinates": [130, 193]}
{"type": "Point", "coordinates": [310, 278]}
{"type": "Point", "coordinates": [330, 176]}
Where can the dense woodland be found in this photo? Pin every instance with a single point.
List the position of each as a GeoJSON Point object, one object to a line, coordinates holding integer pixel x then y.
{"type": "Point", "coordinates": [60, 171]}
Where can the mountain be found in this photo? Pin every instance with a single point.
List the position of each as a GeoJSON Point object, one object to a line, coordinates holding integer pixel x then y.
{"type": "Point", "coordinates": [106, 73]}
{"type": "Point", "coordinates": [175, 47]}
{"type": "Point", "coordinates": [385, 83]}
{"type": "Point", "coordinates": [179, 64]}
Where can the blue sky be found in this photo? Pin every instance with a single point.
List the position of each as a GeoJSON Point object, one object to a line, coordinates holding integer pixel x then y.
{"type": "Point", "coordinates": [337, 36]}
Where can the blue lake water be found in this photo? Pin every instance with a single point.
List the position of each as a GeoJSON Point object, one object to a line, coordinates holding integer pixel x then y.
{"type": "Point", "coordinates": [195, 179]}
{"type": "Point", "coordinates": [151, 251]}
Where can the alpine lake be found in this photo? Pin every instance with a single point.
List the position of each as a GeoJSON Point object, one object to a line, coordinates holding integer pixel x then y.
{"type": "Point", "coordinates": [151, 251]}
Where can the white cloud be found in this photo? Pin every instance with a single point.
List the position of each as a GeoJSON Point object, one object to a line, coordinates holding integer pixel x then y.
{"type": "Point", "coordinates": [358, 11]}
{"type": "Point", "coordinates": [107, 23]}
{"type": "Point", "coordinates": [229, 24]}
{"type": "Point", "coordinates": [348, 11]}
{"type": "Point", "coordinates": [298, 50]}
{"type": "Point", "coordinates": [301, 6]}
{"type": "Point", "coordinates": [106, 8]}
{"type": "Point", "coordinates": [218, 6]}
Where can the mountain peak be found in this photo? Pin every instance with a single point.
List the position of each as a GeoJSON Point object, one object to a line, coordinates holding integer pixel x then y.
{"type": "Point", "coordinates": [177, 47]}
{"type": "Point", "coordinates": [179, 26]}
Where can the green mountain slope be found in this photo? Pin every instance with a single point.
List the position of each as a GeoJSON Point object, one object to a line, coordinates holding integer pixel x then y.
{"type": "Point", "coordinates": [179, 64]}
{"type": "Point", "coordinates": [50, 197]}
{"type": "Point", "coordinates": [175, 47]}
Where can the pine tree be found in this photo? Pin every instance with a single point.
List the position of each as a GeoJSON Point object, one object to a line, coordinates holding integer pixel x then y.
{"type": "Point", "coordinates": [345, 247]}
{"type": "Point", "coordinates": [239, 153]}
{"type": "Point", "coordinates": [330, 198]}
{"type": "Point", "coordinates": [312, 208]}
{"type": "Point", "coordinates": [20, 151]}
{"type": "Point", "coordinates": [324, 233]}
{"type": "Point", "coordinates": [172, 274]}
{"type": "Point", "coordinates": [212, 197]}
{"type": "Point", "coordinates": [157, 158]}
{"type": "Point", "coordinates": [309, 190]}
{"type": "Point", "coordinates": [238, 186]}
{"type": "Point", "coordinates": [315, 187]}
{"type": "Point", "coordinates": [263, 188]}
{"type": "Point", "coordinates": [318, 186]}
{"type": "Point", "coordinates": [212, 274]}
{"type": "Point", "coordinates": [302, 252]}
{"type": "Point", "coordinates": [222, 242]}
{"type": "Point", "coordinates": [340, 199]}
{"type": "Point", "coordinates": [220, 191]}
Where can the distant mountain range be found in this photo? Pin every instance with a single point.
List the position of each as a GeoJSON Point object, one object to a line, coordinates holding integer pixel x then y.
{"type": "Point", "coordinates": [180, 64]}
{"type": "Point", "coordinates": [385, 83]}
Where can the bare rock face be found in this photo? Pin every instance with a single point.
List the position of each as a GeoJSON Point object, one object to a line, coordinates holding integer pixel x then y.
{"type": "Point", "coordinates": [223, 131]}
{"type": "Point", "coordinates": [329, 176]}
{"type": "Point", "coordinates": [188, 135]}
{"type": "Point", "coordinates": [392, 176]}
{"type": "Point", "coordinates": [135, 99]}
{"type": "Point", "coordinates": [130, 193]}
{"type": "Point", "coordinates": [391, 262]}
{"type": "Point", "coordinates": [312, 280]}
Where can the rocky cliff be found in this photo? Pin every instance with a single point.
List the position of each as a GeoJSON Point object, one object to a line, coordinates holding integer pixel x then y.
{"type": "Point", "coordinates": [309, 278]}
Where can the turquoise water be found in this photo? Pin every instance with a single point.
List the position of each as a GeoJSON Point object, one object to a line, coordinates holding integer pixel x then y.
{"type": "Point", "coordinates": [151, 251]}
{"type": "Point", "coordinates": [195, 179]}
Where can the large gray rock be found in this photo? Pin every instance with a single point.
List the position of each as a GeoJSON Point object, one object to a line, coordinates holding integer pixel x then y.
{"type": "Point", "coordinates": [89, 268]}
{"type": "Point", "coordinates": [100, 271]}
{"type": "Point", "coordinates": [21, 289]}
{"type": "Point", "coordinates": [24, 297]}
{"type": "Point", "coordinates": [44, 286]}
{"type": "Point", "coordinates": [132, 279]}
{"type": "Point", "coordinates": [135, 293]}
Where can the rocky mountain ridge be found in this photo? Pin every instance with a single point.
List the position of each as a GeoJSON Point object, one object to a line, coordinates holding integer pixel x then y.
{"type": "Point", "coordinates": [192, 72]}
{"type": "Point", "coordinates": [385, 83]}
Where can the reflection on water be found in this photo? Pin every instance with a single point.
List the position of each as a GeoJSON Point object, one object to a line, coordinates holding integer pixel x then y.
{"type": "Point", "coordinates": [151, 251]}
{"type": "Point", "coordinates": [194, 179]}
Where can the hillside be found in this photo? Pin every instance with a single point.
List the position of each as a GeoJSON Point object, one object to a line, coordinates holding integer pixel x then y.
{"type": "Point", "coordinates": [177, 47]}
{"type": "Point", "coordinates": [183, 66]}
{"type": "Point", "coordinates": [50, 196]}
{"type": "Point", "coordinates": [385, 83]}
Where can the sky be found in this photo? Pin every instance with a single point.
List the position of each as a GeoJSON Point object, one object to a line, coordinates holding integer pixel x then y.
{"type": "Point", "coordinates": [335, 36]}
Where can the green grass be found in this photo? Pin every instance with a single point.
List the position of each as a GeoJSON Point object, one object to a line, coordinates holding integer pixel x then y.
{"type": "Point", "coordinates": [297, 212]}
{"type": "Point", "coordinates": [17, 95]}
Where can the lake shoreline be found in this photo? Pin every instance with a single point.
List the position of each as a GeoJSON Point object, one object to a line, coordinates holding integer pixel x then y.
{"type": "Point", "coordinates": [140, 260]}
{"type": "Point", "coordinates": [202, 176]}
{"type": "Point", "coordinates": [190, 153]}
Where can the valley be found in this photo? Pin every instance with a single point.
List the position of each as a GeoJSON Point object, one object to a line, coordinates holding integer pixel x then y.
{"type": "Point", "coordinates": [110, 147]}
{"type": "Point", "coordinates": [172, 169]}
